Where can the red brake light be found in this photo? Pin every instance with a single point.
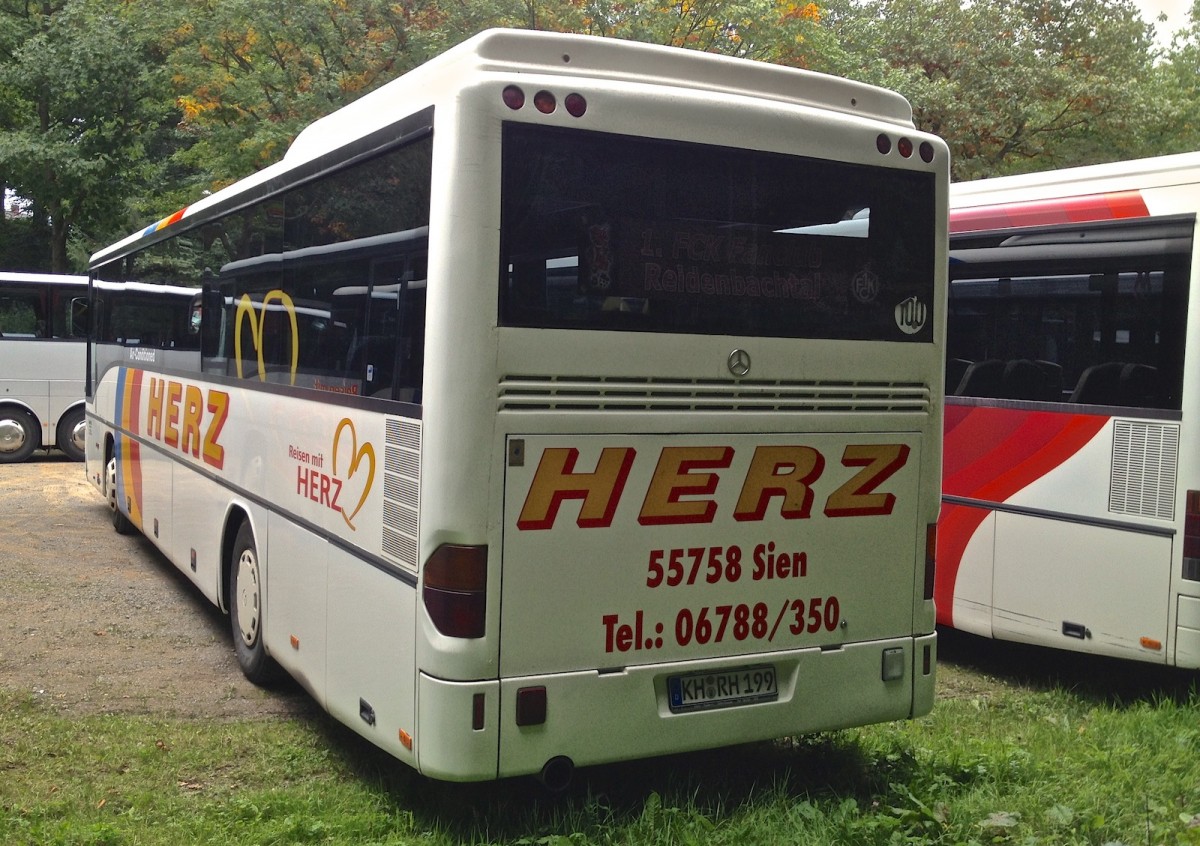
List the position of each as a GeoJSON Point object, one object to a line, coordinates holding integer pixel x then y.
{"type": "Point", "coordinates": [513, 97]}
{"type": "Point", "coordinates": [905, 147]}
{"type": "Point", "coordinates": [455, 590]}
{"type": "Point", "coordinates": [544, 102]}
{"type": "Point", "coordinates": [575, 104]}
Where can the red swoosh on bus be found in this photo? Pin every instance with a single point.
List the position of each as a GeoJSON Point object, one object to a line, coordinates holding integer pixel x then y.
{"type": "Point", "coordinates": [990, 454]}
{"type": "Point", "coordinates": [1112, 206]}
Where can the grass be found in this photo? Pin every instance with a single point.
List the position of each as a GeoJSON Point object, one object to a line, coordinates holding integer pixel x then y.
{"type": "Point", "coordinates": [1025, 747]}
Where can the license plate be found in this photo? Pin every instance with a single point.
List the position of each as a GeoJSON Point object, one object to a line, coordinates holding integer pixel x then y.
{"type": "Point", "coordinates": [722, 689]}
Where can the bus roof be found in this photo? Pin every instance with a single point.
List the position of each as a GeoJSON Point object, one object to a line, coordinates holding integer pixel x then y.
{"type": "Point", "coordinates": [513, 52]}
{"type": "Point", "coordinates": [1110, 191]}
{"type": "Point", "coordinates": [42, 278]}
{"type": "Point", "coordinates": [521, 52]}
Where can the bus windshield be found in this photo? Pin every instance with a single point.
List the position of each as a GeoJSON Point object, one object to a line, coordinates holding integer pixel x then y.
{"type": "Point", "coordinates": [612, 232]}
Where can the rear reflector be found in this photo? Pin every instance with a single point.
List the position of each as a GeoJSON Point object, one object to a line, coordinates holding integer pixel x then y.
{"type": "Point", "coordinates": [531, 706]}
{"type": "Point", "coordinates": [930, 558]}
{"type": "Point", "coordinates": [454, 589]}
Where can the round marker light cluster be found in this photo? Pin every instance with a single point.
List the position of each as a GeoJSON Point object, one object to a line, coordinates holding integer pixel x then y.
{"type": "Point", "coordinates": [544, 101]}
{"type": "Point", "coordinates": [904, 146]}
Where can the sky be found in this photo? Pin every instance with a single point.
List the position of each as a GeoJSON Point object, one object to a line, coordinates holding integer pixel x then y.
{"type": "Point", "coordinates": [1177, 16]}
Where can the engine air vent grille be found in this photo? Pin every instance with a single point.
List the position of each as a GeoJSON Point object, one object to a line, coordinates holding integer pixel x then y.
{"type": "Point", "coordinates": [401, 491]}
{"type": "Point", "coordinates": [549, 393]}
{"type": "Point", "coordinates": [1145, 459]}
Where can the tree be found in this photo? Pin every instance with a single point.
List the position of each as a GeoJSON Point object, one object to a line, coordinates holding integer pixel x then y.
{"type": "Point", "coordinates": [250, 74]}
{"type": "Point", "coordinates": [79, 78]}
{"type": "Point", "coordinates": [1179, 83]}
{"type": "Point", "coordinates": [1016, 85]}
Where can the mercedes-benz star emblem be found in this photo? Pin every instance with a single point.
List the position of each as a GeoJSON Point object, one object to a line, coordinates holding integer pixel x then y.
{"type": "Point", "coordinates": [739, 362]}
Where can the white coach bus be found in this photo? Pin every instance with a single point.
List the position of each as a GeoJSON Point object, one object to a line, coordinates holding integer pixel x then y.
{"type": "Point", "coordinates": [42, 352]}
{"type": "Point", "coordinates": [1071, 518]}
{"type": "Point", "coordinates": [565, 401]}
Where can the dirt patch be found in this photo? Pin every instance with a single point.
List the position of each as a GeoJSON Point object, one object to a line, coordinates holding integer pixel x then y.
{"type": "Point", "coordinates": [96, 622]}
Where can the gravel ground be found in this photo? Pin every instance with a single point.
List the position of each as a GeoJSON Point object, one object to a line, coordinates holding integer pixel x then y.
{"type": "Point", "coordinates": [96, 622]}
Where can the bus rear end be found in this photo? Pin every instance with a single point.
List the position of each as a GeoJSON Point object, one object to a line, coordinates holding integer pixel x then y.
{"type": "Point", "coordinates": [710, 441]}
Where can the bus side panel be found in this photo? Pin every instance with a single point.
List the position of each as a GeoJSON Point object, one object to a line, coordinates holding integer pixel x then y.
{"type": "Point", "coordinates": [1187, 635]}
{"type": "Point", "coordinates": [371, 663]}
{"type": "Point", "coordinates": [158, 474]}
{"type": "Point", "coordinates": [47, 378]}
{"type": "Point", "coordinates": [1093, 589]}
{"type": "Point", "coordinates": [200, 505]}
{"type": "Point", "coordinates": [966, 548]}
{"type": "Point", "coordinates": [295, 619]}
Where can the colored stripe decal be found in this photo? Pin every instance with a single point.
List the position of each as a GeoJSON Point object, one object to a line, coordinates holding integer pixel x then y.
{"type": "Point", "coordinates": [1092, 207]}
{"type": "Point", "coordinates": [991, 454]}
{"type": "Point", "coordinates": [128, 451]}
{"type": "Point", "coordinates": [165, 222]}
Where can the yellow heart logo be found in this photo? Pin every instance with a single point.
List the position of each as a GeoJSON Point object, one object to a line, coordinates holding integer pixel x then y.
{"type": "Point", "coordinates": [357, 456]}
{"type": "Point", "coordinates": [246, 309]}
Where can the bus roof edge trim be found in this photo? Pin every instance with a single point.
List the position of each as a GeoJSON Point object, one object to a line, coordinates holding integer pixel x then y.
{"type": "Point", "coordinates": [534, 51]}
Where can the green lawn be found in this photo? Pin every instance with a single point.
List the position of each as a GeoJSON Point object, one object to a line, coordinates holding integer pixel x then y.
{"type": "Point", "coordinates": [1025, 746]}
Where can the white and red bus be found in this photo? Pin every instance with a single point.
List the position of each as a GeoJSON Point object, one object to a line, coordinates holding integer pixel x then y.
{"type": "Point", "coordinates": [1070, 516]}
{"type": "Point", "coordinates": [567, 400]}
{"type": "Point", "coordinates": [43, 327]}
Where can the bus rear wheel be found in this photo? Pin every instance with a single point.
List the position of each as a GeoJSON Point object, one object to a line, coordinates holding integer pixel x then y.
{"type": "Point", "coordinates": [19, 435]}
{"type": "Point", "coordinates": [71, 436]}
{"type": "Point", "coordinates": [246, 611]}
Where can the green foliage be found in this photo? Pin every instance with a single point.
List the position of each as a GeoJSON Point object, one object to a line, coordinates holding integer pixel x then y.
{"type": "Point", "coordinates": [1030, 762]}
{"type": "Point", "coordinates": [113, 115]}
{"type": "Point", "coordinates": [1012, 86]}
{"type": "Point", "coordinates": [80, 92]}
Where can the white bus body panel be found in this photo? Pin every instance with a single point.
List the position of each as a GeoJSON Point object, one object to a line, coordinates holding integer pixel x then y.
{"type": "Point", "coordinates": [45, 376]}
{"type": "Point", "coordinates": [1094, 544]}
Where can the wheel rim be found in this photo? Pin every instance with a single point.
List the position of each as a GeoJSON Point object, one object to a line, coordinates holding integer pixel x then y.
{"type": "Point", "coordinates": [247, 597]}
{"type": "Point", "coordinates": [12, 435]}
{"type": "Point", "coordinates": [110, 489]}
{"type": "Point", "coordinates": [79, 435]}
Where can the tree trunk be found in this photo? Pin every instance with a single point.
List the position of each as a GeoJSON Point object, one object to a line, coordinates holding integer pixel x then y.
{"type": "Point", "coordinates": [58, 243]}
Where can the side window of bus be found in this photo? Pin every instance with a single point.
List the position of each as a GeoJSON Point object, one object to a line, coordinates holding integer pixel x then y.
{"type": "Point", "coordinates": [1113, 338]}
{"type": "Point", "coordinates": [23, 313]}
{"type": "Point", "coordinates": [75, 316]}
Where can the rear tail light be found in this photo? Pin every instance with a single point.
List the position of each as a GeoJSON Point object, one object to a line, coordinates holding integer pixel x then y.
{"type": "Point", "coordinates": [455, 590]}
{"type": "Point", "coordinates": [513, 97]}
{"type": "Point", "coordinates": [544, 101]}
{"type": "Point", "coordinates": [1191, 537]}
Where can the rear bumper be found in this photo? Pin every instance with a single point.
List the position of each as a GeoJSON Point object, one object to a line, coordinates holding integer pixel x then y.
{"type": "Point", "coordinates": [596, 718]}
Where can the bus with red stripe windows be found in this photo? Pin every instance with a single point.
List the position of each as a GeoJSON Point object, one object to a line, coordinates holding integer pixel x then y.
{"type": "Point", "coordinates": [564, 401]}
{"type": "Point", "coordinates": [1070, 517]}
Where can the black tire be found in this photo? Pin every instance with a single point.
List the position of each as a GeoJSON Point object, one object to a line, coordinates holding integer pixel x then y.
{"type": "Point", "coordinates": [20, 435]}
{"type": "Point", "coordinates": [71, 434]}
{"type": "Point", "coordinates": [120, 522]}
{"type": "Point", "coordinates": [246, 611]}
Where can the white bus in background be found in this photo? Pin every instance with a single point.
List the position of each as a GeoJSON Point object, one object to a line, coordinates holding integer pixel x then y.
{"type": "Point", "coordinates": [42, 351]}
{"type": "Point", "coordinates": [1071, 484]}
{"type": "Point", "coordinates": [543, 413]}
